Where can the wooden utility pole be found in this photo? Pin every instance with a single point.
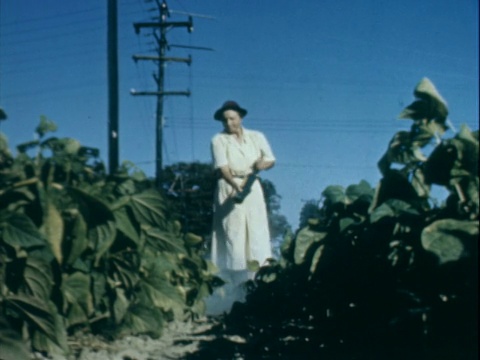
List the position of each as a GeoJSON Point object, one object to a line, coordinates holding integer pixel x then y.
{"type": "Point", "coordinates": [161, 26]}
{"type": "Point", "coordinates": [112, 87]}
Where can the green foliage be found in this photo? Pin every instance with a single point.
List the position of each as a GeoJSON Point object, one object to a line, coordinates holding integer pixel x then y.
{"type": "Point", "coordinates": [83, 250]}
{"type": "Point", "coordinates": [382, 273]}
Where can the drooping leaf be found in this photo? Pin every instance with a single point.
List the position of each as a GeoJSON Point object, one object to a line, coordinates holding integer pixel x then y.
{"type": "Point", "coordinates": [141, 319]}
{"type": "Point", "coordinates": [125, 267]}
{"type": "Point", "coordinates": [56, 346]}
{"type": "Point", "coordinates": [53, 228]}
{"type": "Point", "coordinates": [102, 235]}
{"type": "Point", "coordinates": [303, 243]}
{"type": "Point", "coordinates": [78, 238]}
{"type": "Point", "coordinates": [78, 301]}
{"type": "Point", "coordinates": [450, 239]}
{"type": "Point", "coordinates": [100, 221]}
{"type": "Point", "coordinates": [128, 225]}
{"type": "Point", "coordinates": [430, 104]}
{"type": "Point", "coordinates": [34, 311]}
{"type": "Point", "coordinates": [316, 258]}
{"type": "Point", "coordinates": [120, 305]}
{"type": "Point", "coordinates": [12, 347]}
{"type": "Point", "coordinates": [158, 289]}
{"type": "Point", "coordinates": [38, 277]}
{"type": "Point", "coordinates": [99, 288]}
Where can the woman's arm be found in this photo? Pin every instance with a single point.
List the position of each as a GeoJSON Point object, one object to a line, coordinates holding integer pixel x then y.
{"type": "Point", "coordinates": [261, 164]}
{"type": "Point", "coordinates": [226, 174]}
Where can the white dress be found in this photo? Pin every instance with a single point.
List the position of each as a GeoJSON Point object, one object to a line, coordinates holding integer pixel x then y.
{"type": "Point", "coordinates": [240, 231]}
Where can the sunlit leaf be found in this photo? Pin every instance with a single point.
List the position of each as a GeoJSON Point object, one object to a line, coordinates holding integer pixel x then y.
{"type": "Point", "coordinates": [450, 239]}
{"type": "Point", "coordinates": [53, 228]}
{"type": "Point", "coordinates": [334, 194]}
{"type": "Point", "coordinates": [45, 126]}
{"type": "Point", "coordinates": [316, 258]}
{"type": "Point", "coordinates": [304, 241]}
{"type": "Point", "coordinates": [430, 104]}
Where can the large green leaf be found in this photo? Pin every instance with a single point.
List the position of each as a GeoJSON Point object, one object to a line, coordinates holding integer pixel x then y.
{"type": "Point", "coordinates": [141, 319]}
{"type": "Point", "coordinates": [430, 104]}
{"type": "Point", "coordinates": [103, 236]}
{"type": "Point", "coordinates": [128, 225]}
{"type": "Point", "coordinates": [120, 305]}
{"type": "Point", "coordinates": [11, 345]}
{"type": "Point", "coordinates": [100, 221]}
{"type": "Point", "coordinates": [450, 239]}
{"type": "Point", "coordinates": [38, 277]}
{"type": "Point", "coordinates": [362, 189]}
{"type": "Point", "coordinates": [334, 194]}
{"type": "Point", "coordinates": [304, 241]}
{"type": "Point", "coordinates": [390, 209]}
{"type": "Point", "coordinates": [124, 267]}
{"type": "Point", "coordinates": [148, 207]}
{"type": "Point", "coordinates": [34, 311]}
{"type": "Point", "coordinates": [43, 342]}
{"type": "Point", "coordinates": [77, 239]}
{"type": "Point", "coordinates": [158, 289]}
{"type": "Point", "coordinates": [20, 232]}
{"type": "Point", "coordinates": [164, 240]}
{"type": "Point", "coordinates": [78, 300]}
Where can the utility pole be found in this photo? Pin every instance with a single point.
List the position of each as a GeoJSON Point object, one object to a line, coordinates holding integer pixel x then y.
{"type": "Point", "coordinates": [112, 87]}
{"type": "Point", "coordinates": [161, 26]}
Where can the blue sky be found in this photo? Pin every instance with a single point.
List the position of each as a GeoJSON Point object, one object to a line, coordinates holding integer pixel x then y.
{"type": "Point", "coordinates": [324, 80]}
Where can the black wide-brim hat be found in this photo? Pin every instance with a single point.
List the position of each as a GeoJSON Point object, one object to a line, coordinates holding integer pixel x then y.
{"type": "Point", "coordinates": [229, 105]}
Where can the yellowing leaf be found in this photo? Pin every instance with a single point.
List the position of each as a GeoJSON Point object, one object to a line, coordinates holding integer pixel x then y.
{"type": "Point", "coordinates": [53, 228]}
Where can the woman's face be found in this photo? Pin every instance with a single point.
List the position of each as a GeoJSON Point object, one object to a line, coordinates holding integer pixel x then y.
{"type": "Point", "coordinates": [232, 122]}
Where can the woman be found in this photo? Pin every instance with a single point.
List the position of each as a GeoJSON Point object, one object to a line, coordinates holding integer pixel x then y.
{"type": "Point", "coordinates": [240, 229]}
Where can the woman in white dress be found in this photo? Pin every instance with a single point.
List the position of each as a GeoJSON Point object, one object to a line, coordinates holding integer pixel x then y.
{"type": "Point", "coordinates": [240, 229]}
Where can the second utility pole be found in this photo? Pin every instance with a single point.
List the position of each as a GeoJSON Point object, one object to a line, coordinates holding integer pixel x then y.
{"type": "Point", "coordinates": [163, 25]}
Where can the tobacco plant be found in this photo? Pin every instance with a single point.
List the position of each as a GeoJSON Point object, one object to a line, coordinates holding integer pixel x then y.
{"type": "Point", "coordinates": [85, 251]}
{"type": "Point", "coordinates": [377, 273]}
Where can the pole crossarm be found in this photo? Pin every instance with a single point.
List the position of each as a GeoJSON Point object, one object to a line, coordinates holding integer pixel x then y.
{"type": "Point", "coordinates": [150, 24]}
{"type": "Point", "coordinates": [162, 58]}
{"type": "Point", "coordinates": [160, 93]}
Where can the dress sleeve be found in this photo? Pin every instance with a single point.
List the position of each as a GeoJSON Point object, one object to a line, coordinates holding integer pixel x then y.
{"type": "Point", "coordinates": [219, 152]}
{"type": "Point", "coordinates": [265, 148]}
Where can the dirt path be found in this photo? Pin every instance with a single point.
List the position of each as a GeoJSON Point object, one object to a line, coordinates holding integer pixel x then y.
{"type": "Point", "coordinates": [178, 340]}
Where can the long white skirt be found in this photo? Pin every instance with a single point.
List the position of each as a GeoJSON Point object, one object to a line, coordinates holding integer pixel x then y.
{"type": "Point", "coordinates": [240, 231]}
